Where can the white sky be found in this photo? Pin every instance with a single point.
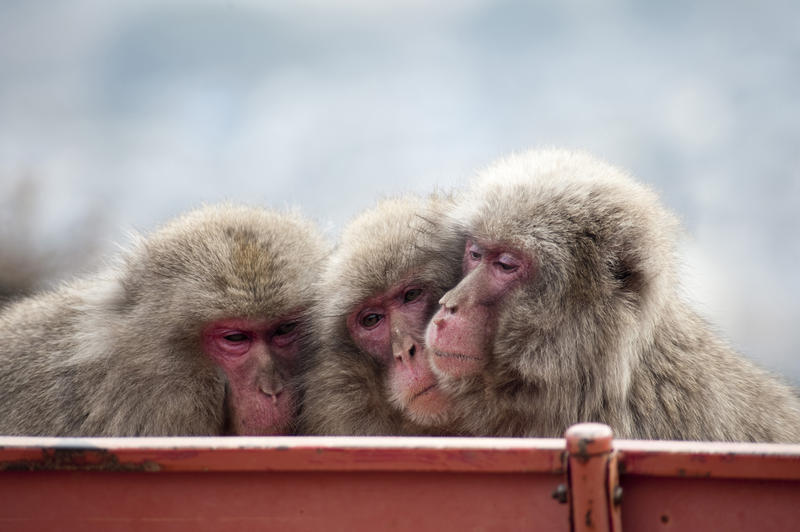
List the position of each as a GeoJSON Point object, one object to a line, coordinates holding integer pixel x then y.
{"type": "Point", "coordinates": [126, 113]}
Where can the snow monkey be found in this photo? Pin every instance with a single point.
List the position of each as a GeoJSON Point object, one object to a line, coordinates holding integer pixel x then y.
{"type": "Point", "coordinates": [370, 375]}
{"type": "Point", "coordinates": [196, 331]}
{"type": "Point", "coordinates": [569, 310]}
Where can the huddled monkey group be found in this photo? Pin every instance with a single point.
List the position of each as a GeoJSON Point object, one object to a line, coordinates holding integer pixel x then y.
{"type": "Point", "coordinates": [543, 294]}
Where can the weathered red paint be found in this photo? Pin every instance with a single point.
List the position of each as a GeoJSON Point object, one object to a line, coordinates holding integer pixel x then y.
{"type": "Point", "coordinates": [702, 505]}
{"type": "Point", "coordinates": [285, 454]}
{"type": "Point", "coordinates": [299, 500]}
{"type": "Point", "coordinates": [710, 459]}
{"type": "Point", "coordinates": [702, 486]}
{"type": "Point", "coordinates": [294, 483]}
{"type": "Point", "coordinates": [281, 484]}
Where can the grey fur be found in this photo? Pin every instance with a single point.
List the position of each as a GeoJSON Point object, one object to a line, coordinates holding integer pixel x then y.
{"type": "Point", "coordinates": [600, 332]}
{"type": "Point", "coordinates": [119, 354]}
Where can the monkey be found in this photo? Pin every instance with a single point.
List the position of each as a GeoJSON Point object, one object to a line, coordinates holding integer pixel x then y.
{"type": "Point", "coordinates": [569, 310]}
{"type": "Point", "coordinates": [196, 329]}
{"type": "Point", "coordinates": [368, 373]}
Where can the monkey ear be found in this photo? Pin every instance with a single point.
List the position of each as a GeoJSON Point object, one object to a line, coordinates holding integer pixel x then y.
{"type": "Point", "coordinates": [627, 274]}
{"type": "Point", "coordinates": [622, 266]}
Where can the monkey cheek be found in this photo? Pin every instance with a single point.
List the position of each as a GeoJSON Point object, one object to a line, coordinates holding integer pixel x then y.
{"type": "Point", "coordinates": [457, 346]}
{"type": "Point", "coordinates": [455, 365]}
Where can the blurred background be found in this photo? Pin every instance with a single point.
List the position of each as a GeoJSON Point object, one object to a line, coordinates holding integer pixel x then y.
{"type": "Point", "coordinates": [115, 116]}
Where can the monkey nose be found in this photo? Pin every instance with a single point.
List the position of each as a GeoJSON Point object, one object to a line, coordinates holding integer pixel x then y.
{"type": "Point", "coordinates": [273, 394]}
{"type": "Point", "coordinates": [405, 351]}
{"type": "Point", "coordinates": [448, 304]}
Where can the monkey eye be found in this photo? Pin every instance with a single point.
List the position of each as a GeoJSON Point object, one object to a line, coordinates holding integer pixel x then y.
{"type": "Point", "coordinates": [412, 295]}
{"type": "Point", "coordinates": [371, 320]}
{"type": "Point", "coordinates": [236, 337]}
{"type": "Point", "coordinates": [507, 263]}
{"type": "Point", "coordinates": [285, 328]}
{"type": "Point", "coordinates": [506, 267]}
{"type": "Point", "coordinates": [474, 252]}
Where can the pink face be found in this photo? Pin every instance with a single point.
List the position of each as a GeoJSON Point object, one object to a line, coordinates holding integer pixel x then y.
{"type": "Point", "coordinates": [461, 333]}
{"type": "Point", "coordinates": [390, 328]}
{"type": "Point", "coordinates": [258, 358]}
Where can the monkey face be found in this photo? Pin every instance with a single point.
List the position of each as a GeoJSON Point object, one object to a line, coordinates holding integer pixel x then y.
{"type": "Point", "coordinates": [461, 333]}
{"type": "Point", "coordinates": [258, 359]}
{"type": "Point", "coordinates": [389, 327]}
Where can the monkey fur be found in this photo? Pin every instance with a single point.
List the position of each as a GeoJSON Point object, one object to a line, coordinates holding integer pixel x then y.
{"type": "Point", "coordinates": [397, 240]}
{"type": "Point", "coordinates": [120, 354]}
{"type": "Point", "coordinates": [598, 330]}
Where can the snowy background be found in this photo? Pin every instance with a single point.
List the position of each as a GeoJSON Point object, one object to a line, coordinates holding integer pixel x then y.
{"type": "Point", "coordinates": [118, 115]}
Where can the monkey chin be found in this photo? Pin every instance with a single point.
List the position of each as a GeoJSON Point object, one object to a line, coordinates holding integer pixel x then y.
{"type": "Point", "coordinates": [426, 405]}
{"type": "Point", "coordinates": [264, 415]}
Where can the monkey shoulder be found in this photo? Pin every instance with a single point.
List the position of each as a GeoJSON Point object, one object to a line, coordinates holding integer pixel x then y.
{"type": "Point", "coordinates": [690, 384]}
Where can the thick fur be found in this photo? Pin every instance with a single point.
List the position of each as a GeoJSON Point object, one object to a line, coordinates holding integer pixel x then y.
{"type": "Point", "coordinates": [397, 240]}
{"type": "Point", "coordinates": [599, 332]}
{"type": "Point", "coordinates": [119, 354]}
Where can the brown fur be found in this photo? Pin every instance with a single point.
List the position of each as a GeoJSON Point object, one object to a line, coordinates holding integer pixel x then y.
{"type": "Point", "coordinates": [398, 239]}
{"type": "Point", "coordinates": [600, 333]}
{"type": "Point", "coordinates": [119, 354]}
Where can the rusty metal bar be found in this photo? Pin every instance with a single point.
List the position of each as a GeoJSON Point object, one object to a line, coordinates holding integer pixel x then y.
{"type": "Point", "coordinates": [281, 483]}
{"type": "Point", "coordinates": [701, 486]}
{"type": "Point", "coordinates": [763, 461]}
{"type": "Point", "coordinates": [283, 453]}
{"type": "Point", "coordinates": [308, 483]}
{"type": "Point", "coordinates": [592, 489]}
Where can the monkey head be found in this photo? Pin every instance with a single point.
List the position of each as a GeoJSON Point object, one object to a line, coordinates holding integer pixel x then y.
{"type": "Point", "coordinates": [389, 327]}
{"type": "Point", "coordinates": [232, 286]}
{"type": "Point", "coordinates": [462, 332]}
{"type": "Point", "coordinates": [378, 292]}
{"type": "Point", "coordinates": [564, 256]}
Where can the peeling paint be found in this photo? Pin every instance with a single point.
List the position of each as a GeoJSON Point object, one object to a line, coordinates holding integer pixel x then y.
{"type": "Point", "coordinates": [583, 450]}
{"type": "Point", "coordinates": [78, 460]}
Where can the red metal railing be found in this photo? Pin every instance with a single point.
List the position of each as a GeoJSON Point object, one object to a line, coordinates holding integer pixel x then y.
{"type": "Point", "coordinates": [308, 483]}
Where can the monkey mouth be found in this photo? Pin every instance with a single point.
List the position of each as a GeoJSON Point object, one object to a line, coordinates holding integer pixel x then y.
{"type": "Point", "coordinates": [457, 356]}
{"type": "Point", "coordinates": [424, 391]}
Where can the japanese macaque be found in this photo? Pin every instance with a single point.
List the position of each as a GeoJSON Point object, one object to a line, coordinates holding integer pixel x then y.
{"type": "Point", "coordinates": [370, 375]}
{"type": "Point", "coordinates": [197, 331]}
{"type": "Point", "coordinates": [569, 311]}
